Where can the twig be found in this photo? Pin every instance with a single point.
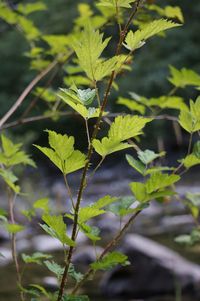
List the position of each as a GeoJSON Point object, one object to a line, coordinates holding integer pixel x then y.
{"type": "Point", "coordinates": [109, 246]}
{"type": "Point", "coordinates": [27, 90]}
{"type": "Point", "coordinates": [11, 202]}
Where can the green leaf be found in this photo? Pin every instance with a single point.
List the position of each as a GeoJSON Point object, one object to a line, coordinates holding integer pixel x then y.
{"type": "Point", "coordinates": [35, 257]}
{"type": "Point", "coordinates": [186, 121]}
{"type": "Point", "coordinates": [30, 8]}
{"type": "Point", "coordinates": [86, 113]}
{"type": "Point", "coordinates": [73, 274]}
{"type": "Point", "coordinates": [137, 39]}
{"type": "Point", "coordinates": [110, 261]}
{"type": "Point", "coordinates": [168, 102]}
{"type": "Point", "coordinates": [125, 127]}
{"type": "Point", "coordinates": [104, 201]}
{"type": "Point", "coordinates": [63, 154]}
{"type": "Point", "coordinates": [131, 104]}
{"type": "Point", "coordinates": [105, 68]}
{"type": "Point", "coordinates": [75, 162]}
{"type": "Point", "coordinates": [55, 268]}
{"type": "Point", "coordinates": [14, 228]}
{"type": "Point", "coordinates": [88, 49]}
{"type": "Point", "coordinates": [41, 289]}
{"type": "Point", "coordinates": [174, 12]}
{"type": "Point", "coordinates": [190, 161]}
{"type": "Point", "coordinates": [62, 144]}
{"type": "Point", "coordinates": [137, 165]}
{"type": "Point", "coordinates": [196, 149]}
{"type": "Point", "coordinates": [91, 232]}
{"type": "Point", "coordinates": [108, 146]}
{"type": "Point", "coordinates": [86, 96]}
{"type": "Point", "coordinates": [139, 191]}
{"type": "Point", "coordinates": [86, 213]}
{"type": "Point", "coordinates": [42, 204]}
{"type": "Point", "coordinates": [57, 228]}
{"type": "Point", "coordinates": [148, 156]}
{"type": "Point", "coordinates": [113, 3]}
{"type": "Point", "coordinates": [122, 206]}
{"type": "Point", "coordinates": [160, 180]}
{"type": "Point", "coordinates": [76, 298]}
{"type": "Point", "coordinates": [184, 77]}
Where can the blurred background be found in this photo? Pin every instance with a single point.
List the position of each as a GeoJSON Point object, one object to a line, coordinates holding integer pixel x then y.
{"type": "Point", "coordinates": [159, 223]}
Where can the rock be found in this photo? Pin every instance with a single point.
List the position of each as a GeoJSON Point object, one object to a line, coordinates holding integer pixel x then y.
{"type": "Point", "coordinates": [6, 256]}
{"type": "Point", "coordinates": [155, 270]}
{"type": "Point", "coordinates": [45, 243]}
{"type": "Point", "coordinates": [51, 283]}
{"type": "Point", "coordinates": [86, 255]}
{"type": "Point", "coordinates": [4, 235]}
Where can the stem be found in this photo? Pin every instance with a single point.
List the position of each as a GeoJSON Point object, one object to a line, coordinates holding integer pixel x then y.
{"type": "Point", "coordinates": [87, 131]}
{"type": "Point", "coordinates": [97, 93]}
{"type": "Point", "coordinates": [68, 189]}
{"type": "Point", "coordinates": [11, 202]}
{"type": "Point", "coordinates": [95, 132]}
{"type": "Point", "coordinates": [35, 99]}
{"type": "Point", "coordinates": [188, 152]}
{"type": "Point", "coordinates": [109, 246]}
{"type": "Point", "coordinates": [97, 167]}
{"type": "Point", "coordinates": [27, 90]}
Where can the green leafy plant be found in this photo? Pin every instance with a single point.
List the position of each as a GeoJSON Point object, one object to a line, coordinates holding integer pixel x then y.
{"type": "Point", "coordinates": [89, 78]}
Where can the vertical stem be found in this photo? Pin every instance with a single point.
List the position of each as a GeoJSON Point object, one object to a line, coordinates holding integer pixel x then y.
{"type": "Point", "coordinates": [11, 201]}
{"type": "Point", "coordinates": [87, 131]}
{"type": "Point", "coordinates": [68, 189]}
{"type": "Point", "coordinates": [90, 150]}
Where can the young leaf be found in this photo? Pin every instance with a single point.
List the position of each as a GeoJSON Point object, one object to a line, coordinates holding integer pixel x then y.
{"type": "Point", "coordinates": [191, 160]}
{"type": "Point", "coordinates": [35, 257]}
{"type": "Point", "coordinates": [73, 274]}
{"type": "Point", "coordinates": [131, 104]}
{"type": "Point", "coordinates": [113, 3]}
{"type": "Point", "coordinates": [139, 191]}
{"type": "Point", "coordinates": [186, 121]}
{"type": "Point", "coordinates": [122, 206]}
{"type": "Point", "coordinates": [91, 232]}
{"type": "Point", "coordinates": [160, 180]}
{"type": "Point", "coordinates": [89, 49]}
{"type": "Point", "coordinates": [42, 204]}
{"type": "Point", "coordinates": [30, 8]}
{"type": "Point", "coordinates": [148, 156]}
{"type": "Point", "coordinates": [184, 77]}
{"type": "Point", "coordinates": [110, 261]}
{"type": "Point", "coordinates": [108, 146]}
{"type": "Point", "coordinates": [62, 153]}
{"type": "Point", "coordinates": [125, 127]}
{"type": "Point", "coordinates": [76, 298]}
{"type": "Point", "coordinates": [86, 213]}
{"type": "Point", "coordinates": [56, 227]}
{"type": "Point", "coordinates": [54, 268]}
{"type": "Point", "coordinates": [14, 228]}
{"type": "Point", "coordinates": [104, 201]}
{"type": "Point", "coordinates": [196, 149]}
{"type": "Point", "coordinates": [137, 39]}
{"type": "Point", "coordinates": [137, 165]}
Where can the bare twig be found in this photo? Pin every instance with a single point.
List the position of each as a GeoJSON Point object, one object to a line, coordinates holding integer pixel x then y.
{"type": "Point", "coordinates": [24, 94]}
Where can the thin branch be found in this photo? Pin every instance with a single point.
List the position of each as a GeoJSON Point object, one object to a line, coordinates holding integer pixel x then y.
{"type": "Point", "coordinates": [83, 178]}
{"type": "Point", "coordinates": [11, 202]}
{"type": "Point", "coordinates": [107, 249]}
{"type": "Point", "coordinates": [68, 189]}
{"type": "Point", "coordinates": [27, 90]}
{"type": "Point", "coordinates": [87, 131]}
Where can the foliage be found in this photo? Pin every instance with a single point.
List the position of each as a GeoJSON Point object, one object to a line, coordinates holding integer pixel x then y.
{"type": "Point", "coordinates": [91, 73]}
